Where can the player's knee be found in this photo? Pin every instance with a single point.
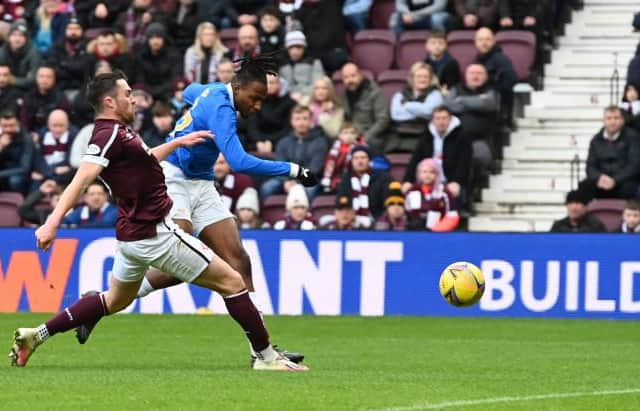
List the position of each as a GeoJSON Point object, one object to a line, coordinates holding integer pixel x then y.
{"type": "Point", "coordinates": [233, 283]}
{"type": "Point", "coordinates": [115, 302]}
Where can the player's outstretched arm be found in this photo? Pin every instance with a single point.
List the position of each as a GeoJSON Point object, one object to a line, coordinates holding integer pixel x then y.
{"type": "Point", "coordinates": [85, 175]}
{"type": "Point", "coordinates": [162, 151]}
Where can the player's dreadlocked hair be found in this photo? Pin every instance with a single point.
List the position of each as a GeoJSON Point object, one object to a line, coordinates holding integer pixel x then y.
{"type": "Point", "coordinates": [256, 68]}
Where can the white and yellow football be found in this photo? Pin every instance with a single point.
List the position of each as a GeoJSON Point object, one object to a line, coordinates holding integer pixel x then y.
{"type": "Point", "coordinates": [462, 284]}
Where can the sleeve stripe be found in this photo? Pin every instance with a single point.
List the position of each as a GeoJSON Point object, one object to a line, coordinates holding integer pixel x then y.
{"type": "Point", "coordinates": [96, 160]}
{"type": "Point", "coordinates": [111, 140]}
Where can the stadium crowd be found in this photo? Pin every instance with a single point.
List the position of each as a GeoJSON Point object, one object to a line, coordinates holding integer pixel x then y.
{"type": "Point", "coordinates": [401, 149]}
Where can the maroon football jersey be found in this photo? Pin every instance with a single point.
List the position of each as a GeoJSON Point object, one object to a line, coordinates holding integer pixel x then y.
{"type": "Point", "coordinates": [134, 177]}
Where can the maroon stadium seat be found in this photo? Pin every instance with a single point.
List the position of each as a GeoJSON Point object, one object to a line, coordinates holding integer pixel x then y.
{"type": "Point", "coordinates": [337, 80]}
{"type": "Point", "coordinates": [399, 162]}
{"type": "Point", "coordinates": [322, 205]}
{"type": "Point", "coordinates": [391, 81]}
{"type": "Point", "coordinates": [381, 12]}
{"type": "Point", "coordinates": [9, 202]}
{"type": "Point", "coordinates": [462, 47]}
{"type": "Point", "coordinates": [273, 208]}
{"type": "Point", "coordinates": [373, 49]}
{"type": "Point", "coordinates": [229, 37]}
{"type": "Point", "coordinates": [608, 210]}
{"type": "Point", "coordinates": [520, 47]}
{"type": "Point", "coordinates": [411, 48]}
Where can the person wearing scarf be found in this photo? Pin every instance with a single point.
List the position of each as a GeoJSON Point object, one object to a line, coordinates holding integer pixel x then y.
{"type": "Point", "coordinates": [97, 212]}
{"type": "Point", "coordinates": [395, 218]}
{"type": "Point", "coordinates": [339, 156]}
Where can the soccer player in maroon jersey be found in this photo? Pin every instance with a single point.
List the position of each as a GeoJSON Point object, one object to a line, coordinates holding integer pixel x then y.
{"type": "Point", "coordinates": [146, 234]}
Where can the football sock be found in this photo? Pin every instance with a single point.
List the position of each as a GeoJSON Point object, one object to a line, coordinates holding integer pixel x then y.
{"type": "Point", "coordinates": [245, 313]}
{"type": "Point", "coordinates": [252, 295]}
{"type": "Point", "coordinates": [86, 310]}
{"type": "Point", "coordinates": [145, 288]}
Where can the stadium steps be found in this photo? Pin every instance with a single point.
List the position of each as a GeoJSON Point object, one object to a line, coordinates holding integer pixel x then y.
{"type": "Point", "coordinates": [560, 121]}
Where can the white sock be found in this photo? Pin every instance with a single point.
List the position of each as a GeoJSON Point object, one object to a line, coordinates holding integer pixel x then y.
{"type": "Point", "coordinates": [43, 333]}
{"type": "Point", "coordinates": [145, 288]}
{"type": "Point", "coordinates": [268, 354]}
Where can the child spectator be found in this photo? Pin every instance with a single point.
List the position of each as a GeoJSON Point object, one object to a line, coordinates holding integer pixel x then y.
{"type": "Point", "coordinates": [325, 107]}
{"type": "Point", "coordinates": [271, 30]}
{"type": "Point", "coordinates": [395, 217]}
{"type": "Point", "coordinates": [344, 216]}
{"type": "Point", "coordinates": [631, 106]}
{"type": "Point", "coordinates": [162, 124]}
{"type": "Point", "coordinates": [339, 157]}
{"type": "Point", "coordinates": [299, 70]}
{"type": "Point", "coordinates": [248, 210]}
{"type": "Point", "coordinates": [444, 65]}
{"type": "Point", "coordinates": [578, 219]}
{"type": "Point", "coordinates": [297, 217]}
{"type": "Point", "coordinates": [630, 218]}
{"type": "Point", "coordinates": [97, 211]}
{"type": "Point", "coordinates": [202, 58]}
{"type": "Point", "coordinates": [430, 201]}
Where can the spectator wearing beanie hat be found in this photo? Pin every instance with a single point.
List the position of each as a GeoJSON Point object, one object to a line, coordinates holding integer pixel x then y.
{"type": "Point", "coordinates": [70, 58]}
{"type": "Point", "coordinates": [19, 53]}
{"type": "Point", "coordinates": [395, 217]}
{"type": "Point", "coordinates": [299, 70]}
{"type": "Point", "coordinates": [157, 65]}
{"type": "Point", "coordinates": [248, 210]}
{"type": "Point", "coordinates": [297, 216]}
{"type": "Point", "coordinates": [134, 22]}
{"type": "Point", "coordinates": [344, 216]}
{"type": "Point", "coordinates": [578, 219]}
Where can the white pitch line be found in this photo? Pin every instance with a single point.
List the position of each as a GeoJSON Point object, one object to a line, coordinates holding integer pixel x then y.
{"type": "Point", "coordinates": [496, 400]}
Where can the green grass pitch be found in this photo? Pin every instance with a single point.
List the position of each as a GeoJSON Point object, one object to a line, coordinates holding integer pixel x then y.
{"type": "Point", "coordinates": [172, 362]}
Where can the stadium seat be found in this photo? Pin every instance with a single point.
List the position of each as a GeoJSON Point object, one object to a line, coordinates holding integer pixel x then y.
{"type": "Point", "coordinates": [9, 202]}
{"type": "Point", "coordinates": [273, 208]}
{"type": "Point", "coordinates": [229, 37]}
{"type": "Point", "coordinates": [399, 162]}
{"type": "Point", "coordinates": [337, 80]}
{"type": "Point", "coordinates": [322, 205]}
{"type": "Point", "coordinates": [520, 47]}
{"type": "Point", "coordinates": [380, 13]}
{"type": "Point", "coordinates": [391, 81]}
{"type": "Point", "coordinates": [462, 47]}
{"type": "Point", "coordinates": [411, 48]}
{"type": "Point", "coordinates": [373, 50]}
{"type": "Point", "coordinates": [608, 210]}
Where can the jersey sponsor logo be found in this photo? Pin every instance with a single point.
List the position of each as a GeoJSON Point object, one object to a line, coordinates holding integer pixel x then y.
{"type": "Point", "coordinates": [93, 150]}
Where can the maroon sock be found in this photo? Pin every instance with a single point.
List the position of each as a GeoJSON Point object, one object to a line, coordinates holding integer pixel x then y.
{"type": "Point", "coordinates": [89, 309]}
{"type": "Point", "coordinates": [242, 310]}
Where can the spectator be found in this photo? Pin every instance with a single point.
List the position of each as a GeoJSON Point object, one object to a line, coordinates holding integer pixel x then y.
{"type": "Point", "coordinates": [158, 64]}
{"type": "Point", "coordinates": [42, 100]}
{"type": "Point", "coordinates": [430, 201]}
{"type": "Point", "coordinates": [20, 55]}
{"type": "Point", "coordinates": [365, 105]}
{"type": "Point", "coordinates": [323, 27]}
{"type": "Point", "coordinates": [97, 212]}
{"type": "Point", "coordinates": [297, 216]}
{"type": "Point", "coordinates": [178, 105]}
{"type": "Point", "coordinates": [325, 106]}
{"type": "Point", "coordinates": [144, 103]}
{"type": "Point", "coordinates": [100, 13]}
{"type": "Point", "coordinates": [339, 157]}
{"type": "Point", "coordinates": [112, 48]}
{"type": "Point", "coordinates": [230, 185]}
{"type": "Point", "coordinates": [32, 209]}
{"type": "Point", "coordinates": [444, 65]}
{"type": "Point", "coordinates": [501, 72]}
{"type": "Point", "coordinates": [248, 43]}
{"type": "Point", "coordinates": [202, 58]}
{"type": "Point", "coordinates": [49, 23]}
{"type": "Point", "coordinates": [271, 30]}
{"type": "Point", "coordinates": [134, 21]}
{"type": "Point", "coordinates": [162, 124]}
{"type": "Point", "coordinates": [10, 95]}
{"type": "Point", "coordinates": [395, 217]}
{"type": "Point", "coordinates": [299, 70]}
{"type": "Point", "coordinates": [356, 14]}
{"type": "Point", "coordinates": [365, 186]}
{"type": "Point", "coordinates": [411, 108]}
{"type": "Point", "coordinates": [16, 154]}
{"type": "Point", "coordinates": [473, 14]}
{"type": "Point", "coordinates": [578, 220]}
{"type": "Point", "coordinates": [420, 14]}
{"type": "Point", "coordinates": [266, 127]}
{"type": "Point", "coordinates": [520, 14]}
{"type": "Point", "coordinates": [631, 106]}
{"type": "Point", "coordinates": [445, 143]}
{"type": "Point", "coordinates": [69, 57]}
{"type": "Point", "coordinates": [630, 218]}
{"type": "Point", "coordinates": [219, 12]}
{"type": "Point", "coordinates": [477, 105]}
{"type": "Point", "coordinates": [81, 111]}
{"type": "Point", "coordinates": [55, 147]}
{"type": "Point", "coordinates": [183, 22]}
{"type": "Point", "coordinates": [344, 216]}
{"type": "Point", "coordinates": [13, 10]}
{"type": "Point", "coordinates": [248, 211]}
{"type": "Point", "coordinates": [226, 71]}
{"type": "Point", "coordinates": [613, 164]}
{"type": "Point", "coordinates": [305, 146]}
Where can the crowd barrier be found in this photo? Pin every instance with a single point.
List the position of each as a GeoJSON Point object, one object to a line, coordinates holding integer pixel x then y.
{"type": "Point", "coordinates": [355, 273]}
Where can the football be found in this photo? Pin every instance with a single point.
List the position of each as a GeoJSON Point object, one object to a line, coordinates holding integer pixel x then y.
{"type": "Point", "coordinates": [462, 284]}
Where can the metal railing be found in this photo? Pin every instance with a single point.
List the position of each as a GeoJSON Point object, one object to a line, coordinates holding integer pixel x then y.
{"type": "Point", "coordinates": [614, 82]}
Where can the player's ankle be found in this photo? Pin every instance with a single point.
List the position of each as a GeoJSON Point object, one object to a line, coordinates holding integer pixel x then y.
{"type": "Point", "coordinates": [268, 354]}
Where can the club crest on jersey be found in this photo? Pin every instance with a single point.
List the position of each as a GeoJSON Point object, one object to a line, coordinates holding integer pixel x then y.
{"type": "Point", "coordinates": [93, 149]}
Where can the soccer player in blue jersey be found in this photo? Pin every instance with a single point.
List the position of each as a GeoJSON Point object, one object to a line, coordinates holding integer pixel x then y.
{"type": "Point", "coordinates": [197, 207]}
